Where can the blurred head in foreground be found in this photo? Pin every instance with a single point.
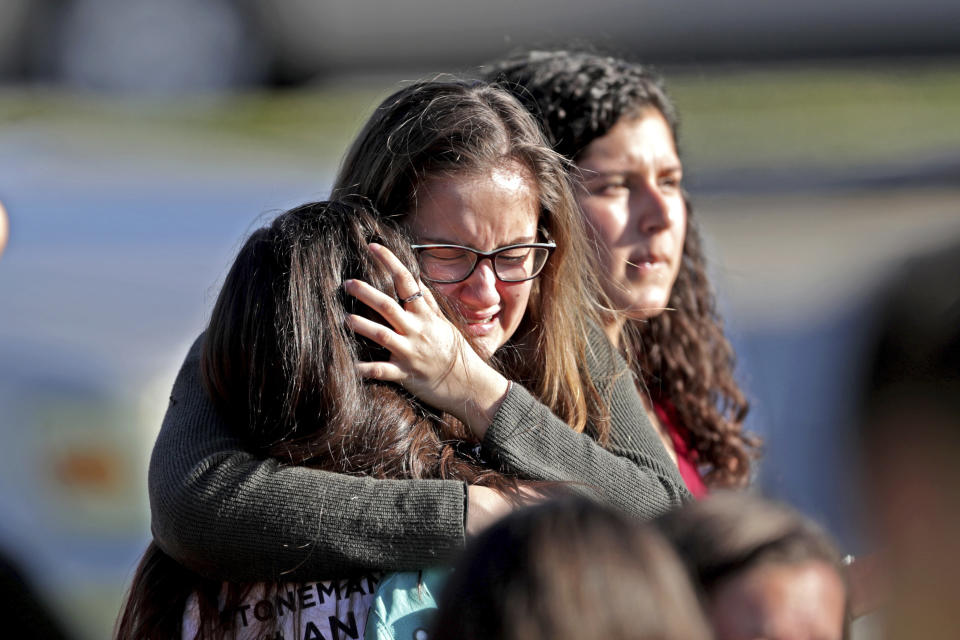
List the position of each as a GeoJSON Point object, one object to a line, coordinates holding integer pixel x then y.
{"type": "Point", "coordinates": [764, 571]}
{"type": "Point", "coordinates": [564, 570]}
{"type": "Point", "coordinates": [910, 442]}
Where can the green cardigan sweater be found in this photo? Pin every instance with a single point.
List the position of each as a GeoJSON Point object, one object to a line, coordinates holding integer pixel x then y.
{"type": "Point", "coordinates": [231, 515]}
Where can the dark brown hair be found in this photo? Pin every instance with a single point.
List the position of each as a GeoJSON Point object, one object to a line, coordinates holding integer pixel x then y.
{"type": "Point", "coordinates": [430, 130]}
{"type": "Point", "coordinates": [682, 355]}
{"type": "Point", "coordinates": [279, 361]}
{"type": "Point", "coordinates": [569, 570]}
{"type": "Point", "coordinates": [913, 355]}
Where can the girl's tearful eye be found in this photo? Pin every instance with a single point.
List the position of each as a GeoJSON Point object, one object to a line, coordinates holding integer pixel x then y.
{"type": "Point", "coordinates": [517, 256]}
{"type": "Point", "coordinates": [671, 181]}
{"type": "Point", "coordinates": [610, 187]}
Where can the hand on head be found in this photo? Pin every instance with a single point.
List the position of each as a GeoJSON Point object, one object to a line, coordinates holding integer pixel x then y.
{"type": "Point", "coordinates": [429, 356]}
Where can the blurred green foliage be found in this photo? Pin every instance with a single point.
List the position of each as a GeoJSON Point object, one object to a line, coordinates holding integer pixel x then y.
{"type": "Point", "coordinates": [821, 116]}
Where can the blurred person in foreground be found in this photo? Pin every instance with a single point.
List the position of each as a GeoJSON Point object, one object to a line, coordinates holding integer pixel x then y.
{"type": "Point", "coordinates": [23, 611]}
{"type": "Point", "coordinates": [762, 569]}
{"type": "Point", "coordinates": [910, 441]}
{"type": "Point", "coordinates": [568, 569]}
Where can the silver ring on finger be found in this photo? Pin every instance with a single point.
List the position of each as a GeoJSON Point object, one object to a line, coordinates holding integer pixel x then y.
{"type": "Point", "coordinates": [404, 301]}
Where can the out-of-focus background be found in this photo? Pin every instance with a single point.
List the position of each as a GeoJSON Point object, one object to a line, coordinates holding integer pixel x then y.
{"type": "Point", "coordinates": [140, 140]}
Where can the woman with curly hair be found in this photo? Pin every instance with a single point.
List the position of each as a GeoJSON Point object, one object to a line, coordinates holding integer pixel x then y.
{"type": "Point", "coordinates": [614, 121]}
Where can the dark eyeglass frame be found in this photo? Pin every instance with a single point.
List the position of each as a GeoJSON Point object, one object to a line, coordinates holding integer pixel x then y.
{"type": "Point", "coordinates": [550, 245]}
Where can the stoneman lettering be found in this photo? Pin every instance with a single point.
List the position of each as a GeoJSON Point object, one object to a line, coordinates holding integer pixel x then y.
{"type": "Point", "coordinates": [263, 610]}
{"type": "Point", "coordinates": [333, 589]}
{"type": "Point", "coordinates": [336, 626]}
{"type": "Point", "coordinates": [353, 586]}
{"type": "Point", "coordinates": [290, 602]}
{"type": "Point", "coordinates": [306, 597]}
{"type": "Point", "coordinates": [341, 614]}
{"type": "Point", "coordinates": [312, 633]}
{"type": "Point", "coordinates": [283, 612]}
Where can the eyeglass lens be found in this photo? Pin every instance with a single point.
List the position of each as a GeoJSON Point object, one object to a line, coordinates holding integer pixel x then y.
{"type": "Point", "coordinates": [453, 264]}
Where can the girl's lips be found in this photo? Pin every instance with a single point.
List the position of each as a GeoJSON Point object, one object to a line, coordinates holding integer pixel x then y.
{"type": "Point", "coordinates": [481, 325]}
{"type": "Point", "coordinates": [647, 261]}
{"type": "Point", "coordinates": [475, 317]}
{"type": "Point", "coordinates": [647, 267]}
{"type": "Point", "coordinates": [646, 258]}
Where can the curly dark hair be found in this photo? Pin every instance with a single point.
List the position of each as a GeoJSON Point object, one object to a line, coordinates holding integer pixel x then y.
{"type": "Point", "coordinates": [683, 357]}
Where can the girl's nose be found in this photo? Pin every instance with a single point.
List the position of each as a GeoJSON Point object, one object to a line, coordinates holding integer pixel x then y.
{"type": "Point", "coordinates": [481, 287]}
{"type": "Point", "coordinates": [651, 209]}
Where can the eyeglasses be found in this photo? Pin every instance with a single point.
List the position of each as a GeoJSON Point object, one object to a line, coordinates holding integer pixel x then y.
{"type": "Point", "coordinates": [449, 263]}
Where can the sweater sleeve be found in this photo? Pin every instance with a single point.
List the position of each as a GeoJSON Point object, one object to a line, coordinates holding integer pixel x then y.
{"type": "Point", "coordinates": [634, 473]}
{"type": "Point", "coordinates": [230, 515]}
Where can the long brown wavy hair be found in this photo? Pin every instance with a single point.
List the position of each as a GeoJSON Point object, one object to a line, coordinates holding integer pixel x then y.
{"type": "Point", "coordinates": [682, 356]}
{"type": "Point", "coordinates": [279, 361]}
{"type": "Point", "coordinates": [434, 129]}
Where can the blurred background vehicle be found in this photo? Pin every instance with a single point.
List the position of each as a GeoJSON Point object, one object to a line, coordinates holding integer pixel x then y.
{"type": "Point", "coordinates": [140, 140]}
{"type": "Point", "coordinates": [157, 46]}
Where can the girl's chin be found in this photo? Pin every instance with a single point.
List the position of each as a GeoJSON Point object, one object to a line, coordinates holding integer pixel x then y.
{"type": "Point", "coordinates": [487, 343]}
{"type": "Point", "coordinates": [486, 348]}
{"type": "Point", "coordinates": [647, 308]}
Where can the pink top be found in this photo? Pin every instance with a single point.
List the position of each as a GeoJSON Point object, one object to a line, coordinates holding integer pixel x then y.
{"type": "Point", "coordinates": [686, 456]}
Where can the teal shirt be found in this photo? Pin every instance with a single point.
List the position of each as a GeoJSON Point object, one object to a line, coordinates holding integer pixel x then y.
{"type": "Point", "coordinates": [405, 604]}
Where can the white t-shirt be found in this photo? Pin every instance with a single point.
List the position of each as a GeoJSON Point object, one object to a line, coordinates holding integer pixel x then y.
{"type": "Point", "coordinates": [328, 610]}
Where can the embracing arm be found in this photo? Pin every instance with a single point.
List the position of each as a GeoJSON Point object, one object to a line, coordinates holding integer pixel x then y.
{"type": "Point", "coordinates": [634, 473]}
{"type": "Point", "coordinates": [227, 514]}
{"type": "Point", "coordinates": [430, 360]}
